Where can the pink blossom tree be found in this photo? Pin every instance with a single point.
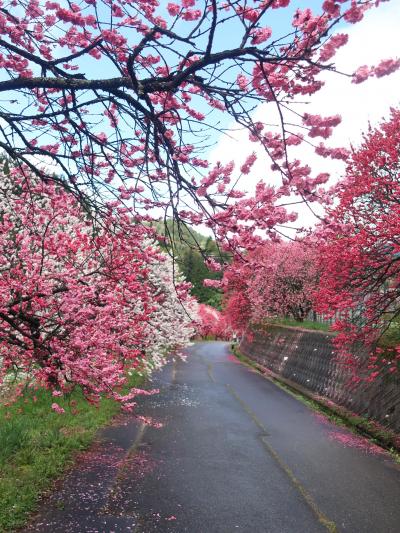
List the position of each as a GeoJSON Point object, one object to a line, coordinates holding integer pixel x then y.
{"type": "Point", "coordinates": [123, 96]}
{"type": "Point", "coordinates": [236, 304]}
{"type": "Point", "coordinates": [360, 250]}
{"type": "Point", "coordinates": [284, 278]}
{"type": "Point", "coordinates": [277, 279]}
{"type": "Point", "coordinates": [212, 323]}
{"type": "Point", "coordinates": [79, 301]}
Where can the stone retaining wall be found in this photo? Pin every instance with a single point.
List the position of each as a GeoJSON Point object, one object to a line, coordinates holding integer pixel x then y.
{"type": "Point", "coordinates": [307, 358]}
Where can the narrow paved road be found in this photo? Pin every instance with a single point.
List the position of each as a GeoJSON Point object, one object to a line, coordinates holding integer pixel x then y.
{"type": "Point", "coordinates": [235, 454]}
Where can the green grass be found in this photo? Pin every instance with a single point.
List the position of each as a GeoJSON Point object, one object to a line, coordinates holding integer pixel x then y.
{"type": "Point", "coordinates": [37, 445]}
{"type": "Point", "coordinates": [242, 358]}
{"type": "Point", "coordinates": [391, 336]}
{"type": "Point", "coordinates": [306, 324]}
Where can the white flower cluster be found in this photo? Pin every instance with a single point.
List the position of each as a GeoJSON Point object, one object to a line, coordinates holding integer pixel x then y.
{"type": "Point", "coordinates": [172, 322]}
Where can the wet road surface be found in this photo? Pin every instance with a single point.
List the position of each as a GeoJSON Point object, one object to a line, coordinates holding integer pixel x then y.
{"type": "Point", "coordinates": [235, 453]}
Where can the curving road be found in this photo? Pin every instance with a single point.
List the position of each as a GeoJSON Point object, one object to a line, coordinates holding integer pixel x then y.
{"type": "Point", "coordinates": [235, 454]}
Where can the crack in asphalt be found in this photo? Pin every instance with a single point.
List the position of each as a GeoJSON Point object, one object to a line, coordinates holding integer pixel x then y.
{"type": "Point", "coordinates": [322, 518]}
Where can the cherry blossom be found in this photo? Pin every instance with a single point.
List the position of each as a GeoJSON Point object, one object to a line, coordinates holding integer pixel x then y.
{"type": "Point", "coordinates": [121, 97]}
{"type": "Point", "coordinates": [82, 303]}
{"type": "Point", "coordinates": [107, 112]}
{"type": "Point", "coordinates": [275, 279]}
{"type": "Point", "coordinates": [359, 250]}
{"type": "Point", "coordinates": [212, 323]}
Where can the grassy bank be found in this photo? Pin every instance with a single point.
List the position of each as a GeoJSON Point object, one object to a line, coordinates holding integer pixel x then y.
{"type": "Point", "coordinates": [306, 324]}
{"type": "Point", "coordinates": [37, 445]}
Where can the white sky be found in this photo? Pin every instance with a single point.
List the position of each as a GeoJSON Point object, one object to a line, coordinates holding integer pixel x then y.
{"type": "Point", "coordinates": [376, 37]}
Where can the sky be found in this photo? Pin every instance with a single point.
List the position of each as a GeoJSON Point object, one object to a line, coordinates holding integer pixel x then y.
{"type": "Point", "coordinates": [376, 37]}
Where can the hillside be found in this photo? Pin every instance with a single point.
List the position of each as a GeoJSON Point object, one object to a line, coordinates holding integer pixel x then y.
{"type": "Point", "coordinates": [190, 249]}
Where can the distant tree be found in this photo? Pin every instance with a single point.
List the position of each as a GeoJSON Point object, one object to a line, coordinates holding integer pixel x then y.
{"type": "Point", "coordinates": [275, 279]}
{"type": "Point", "coordinates": [194, 269]}
{"type": "Point", "coordinates": [283, 281]}
{"type": "Point", "coordinates": [192, 251]}
{"type": "Point", "coordinates": [212, 323]}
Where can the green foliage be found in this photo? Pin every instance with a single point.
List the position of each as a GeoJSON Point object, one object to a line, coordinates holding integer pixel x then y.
{"type": "Point", "coordinates": [37, 444]}
{"type": "Point", "coordinates": [191, 264]}
{"type": "Point", "coordinates": [305, 324]}
{"type": "Point", "coordinates": [190, 250]}
{"type": "Point", "coordinates": [391, 336]}
{"type": "Point", "coordinates": [5, 164]}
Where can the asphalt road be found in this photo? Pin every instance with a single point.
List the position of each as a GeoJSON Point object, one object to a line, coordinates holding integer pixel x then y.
{"type": "Point", "coordinates": [235, 453]}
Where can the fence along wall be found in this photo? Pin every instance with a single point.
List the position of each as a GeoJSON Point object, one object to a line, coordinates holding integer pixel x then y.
{"type": "Point", "coordinates": [307, 358]}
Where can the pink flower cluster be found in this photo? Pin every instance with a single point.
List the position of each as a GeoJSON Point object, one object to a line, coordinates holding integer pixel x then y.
{"type": "Point", "coordinates": [81, 304]}
{"type": "Point", "coordinates": [384, 68]}
{"type": "Point", "coordinates": [321, 126]}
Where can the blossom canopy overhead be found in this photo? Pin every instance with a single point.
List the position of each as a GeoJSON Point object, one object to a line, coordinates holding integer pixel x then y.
{"type": "Point", "coordinates": [124, 97]}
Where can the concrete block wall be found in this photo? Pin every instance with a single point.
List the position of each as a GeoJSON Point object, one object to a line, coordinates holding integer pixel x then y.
{"type": "Point", "coordinates": [307, 358]}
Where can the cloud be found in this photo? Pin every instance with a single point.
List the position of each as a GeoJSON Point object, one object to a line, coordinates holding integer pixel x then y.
{"type": "Point", "coordinates": [373, 39]}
